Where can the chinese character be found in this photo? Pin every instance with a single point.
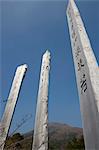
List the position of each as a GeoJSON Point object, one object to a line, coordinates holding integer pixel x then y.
{"type": "Point", "coordinates": [78, 51]}
{"type": "Point", "coordinates": [83, 84]}
{"type": "Point", "coordinates": [72, 26]}
{"type": "Point", "coordinates": [73, 33]}
{"type": "Point", "coordinates": [80, 64]}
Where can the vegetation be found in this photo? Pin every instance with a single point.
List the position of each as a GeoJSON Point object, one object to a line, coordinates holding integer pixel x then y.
{"type": "Point", "coordinates": [16, 138]}
{"type": "Point", "coordinates": [76, 143]}
{"type": "Point", "coordinates": [61, 137]}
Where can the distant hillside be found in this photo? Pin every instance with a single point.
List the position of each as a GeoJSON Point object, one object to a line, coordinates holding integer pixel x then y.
{"type": "Point", "coordinates": [61, 137]}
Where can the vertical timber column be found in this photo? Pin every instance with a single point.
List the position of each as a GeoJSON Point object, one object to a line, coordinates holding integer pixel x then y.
{"type": "Point", "coordinates": [11, 103]}
{"type": "Point", "coordinates": [40, 140]}
{"type": "Point", "coordinates": [87, 76]}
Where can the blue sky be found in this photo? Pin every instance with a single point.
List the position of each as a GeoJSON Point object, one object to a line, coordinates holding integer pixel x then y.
{"type": "Point", "coordinates": [28, 29]}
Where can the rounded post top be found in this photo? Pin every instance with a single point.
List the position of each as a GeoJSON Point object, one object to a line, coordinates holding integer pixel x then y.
{"type": "Point", "coordinates": [23, 66]}
{"type": "Point", "coordinates": [46, 55]}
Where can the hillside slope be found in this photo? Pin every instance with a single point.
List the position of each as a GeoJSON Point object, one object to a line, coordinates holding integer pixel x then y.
{"type": "Point", "coordinates": [61, 137]}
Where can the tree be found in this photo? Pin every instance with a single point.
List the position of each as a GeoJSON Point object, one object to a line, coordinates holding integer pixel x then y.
{"type": "Point", "coordinates": [76, 143]}
{"type": "Point", "coordinates": [13, 139]}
